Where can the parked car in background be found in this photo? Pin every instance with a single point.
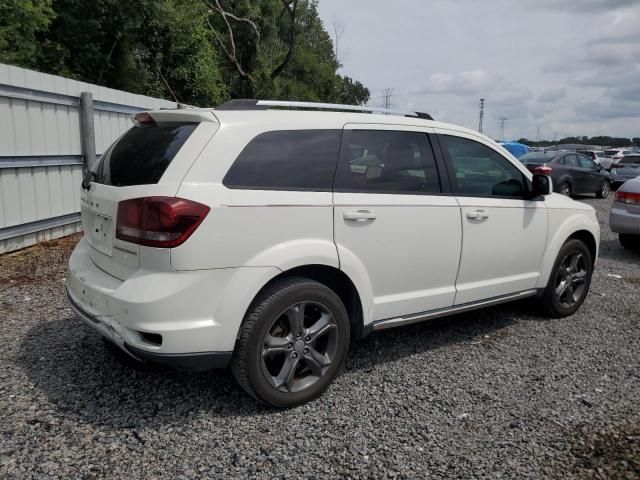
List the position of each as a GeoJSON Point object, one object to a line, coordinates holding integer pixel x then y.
{"type": "Point", "coordinates": [572, 173]}
{"type": "Point", "coordinates": [624, 169]}
{"type": "Point", "coordinates": [597, 156]}
{"type": "Point", "coordinates": [266, 239]}
{"type": "Point", "coordinates": [617, 153]}
{"type": "Point", "coordinates": [625, 214]}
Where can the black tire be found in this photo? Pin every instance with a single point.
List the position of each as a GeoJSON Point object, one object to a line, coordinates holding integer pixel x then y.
{"type": "Point", "coordinates": [268, 314]}
{"type": "Point", "coordinates": [564, 189]}
{"type": "Point", "coordinates": [551, 301]}
{"type": "Point", "coordinates": [604, 190]}
{"type": "Point", "coordinates": [630, 242]}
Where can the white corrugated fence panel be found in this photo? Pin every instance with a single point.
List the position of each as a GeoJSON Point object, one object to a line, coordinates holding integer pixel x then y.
{"type": "Point", "coordinates": [40, 123]}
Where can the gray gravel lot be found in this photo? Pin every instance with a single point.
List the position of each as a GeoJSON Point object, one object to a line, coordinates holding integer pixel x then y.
{"type": "Point", "coordinates": [501, 393]}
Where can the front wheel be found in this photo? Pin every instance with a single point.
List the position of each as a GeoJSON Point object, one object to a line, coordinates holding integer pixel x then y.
{"type": "Point", "coordinates": [603, 191]}
{"type": "Point", "coordinates": [292, 343]}
{"type": "Point", "coordinates": [630, 242]}
{"type": "Point", "coordinates": [569, 281]}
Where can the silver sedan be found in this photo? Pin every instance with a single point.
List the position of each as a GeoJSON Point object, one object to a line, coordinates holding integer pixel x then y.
{"type": "Point", "coordinates": [625, 214]}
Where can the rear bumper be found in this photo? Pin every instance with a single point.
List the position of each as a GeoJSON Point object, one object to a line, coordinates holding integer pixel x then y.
{"type": "Point", "coordinates": [183, 361]}
{"type": "Point", "coordinates": [188, 319]}
{"type": "Point", "coordinates": [623, 221]}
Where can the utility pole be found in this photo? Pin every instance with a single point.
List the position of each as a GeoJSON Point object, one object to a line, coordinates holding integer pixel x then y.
{"type": "Point", "coordinates": [481, 115]}
{"type": "Point", "coordinates": [388, 93]}
{"type": "Point", "coordinates": [503, 120]}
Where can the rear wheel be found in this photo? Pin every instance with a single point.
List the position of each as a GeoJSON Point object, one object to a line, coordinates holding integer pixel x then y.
{"type": "Point", "coordinates": [603, 191]}
{"type": "Point", "coordinates": [569, 281]}
{"type": "Point", "coordinates": [565, 189]}
{"type": "Point", "coordinates": [630, 242]}
{"type": "Point", "coordinates": [292, 343]}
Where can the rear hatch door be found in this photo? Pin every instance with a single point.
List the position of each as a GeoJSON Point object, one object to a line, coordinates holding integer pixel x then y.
{"type": "Point", "coordinates": [148, 160]}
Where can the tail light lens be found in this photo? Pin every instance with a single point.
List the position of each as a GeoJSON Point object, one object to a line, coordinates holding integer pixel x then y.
{"type": "Point", "coordinates": [627, 197]}
{"type": "Point", "coordinates": [162, 222]}
{"type": "Point", "coordinates": [543, 169]}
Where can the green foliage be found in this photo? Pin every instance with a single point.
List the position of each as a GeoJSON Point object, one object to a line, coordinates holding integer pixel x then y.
{"type": "Point", "coordinates": [21, 23]}
{"type": "Point", "coordinates": [155, 47]}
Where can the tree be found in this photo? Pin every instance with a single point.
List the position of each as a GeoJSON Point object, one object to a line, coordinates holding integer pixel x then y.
{"type": "Point", "coordinates": [201, 52]}
{"type": "Point", "coordinates": [21, 24]}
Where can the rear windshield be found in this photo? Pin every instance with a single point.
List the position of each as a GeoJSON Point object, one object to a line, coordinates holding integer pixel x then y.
{"type": "Point", "coordinates": [629, 160]}
{"type": "Point", "coordinates": [533, 158]}
{"type": "Point", "coordinates": [142, 155]}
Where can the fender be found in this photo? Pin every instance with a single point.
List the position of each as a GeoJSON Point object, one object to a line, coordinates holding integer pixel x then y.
{"type": "Point", "coordinates": [359, 275]}
{"type": "Point", "coordinates": [562, 227]}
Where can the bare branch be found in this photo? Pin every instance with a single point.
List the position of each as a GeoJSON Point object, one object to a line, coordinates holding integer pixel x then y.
{"type": "Point", "coordinates": [290, 6]}
{"type": "Point", "coordinates": [232, 54]}
{"type": "Point", "coordinates": [231, 57]}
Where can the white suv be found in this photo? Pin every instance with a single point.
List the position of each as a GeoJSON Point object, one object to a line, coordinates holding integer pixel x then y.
{"type": "Point", "coordinates": [266, 238]}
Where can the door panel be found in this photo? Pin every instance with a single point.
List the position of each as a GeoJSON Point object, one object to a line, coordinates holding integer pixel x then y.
{"type": "Point", "coordinates": [501, 252]}
{"type": "Point", "coordinates": [504, 235]}
{"type": "Point", "coordinates": [391, 221]}
{"type": "Point", "coordinates": [410, 250]}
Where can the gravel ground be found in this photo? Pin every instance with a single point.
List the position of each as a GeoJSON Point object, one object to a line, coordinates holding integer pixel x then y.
{"type": "Point", "coordinates": [501, 393]}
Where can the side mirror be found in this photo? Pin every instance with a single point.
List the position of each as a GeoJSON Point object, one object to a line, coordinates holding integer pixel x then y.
{"type": "Point", "coordinates": [541, 185]}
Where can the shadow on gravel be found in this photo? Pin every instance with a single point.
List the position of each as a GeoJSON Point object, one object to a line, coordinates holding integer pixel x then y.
{"type": "Point", "coordinates": [611, 249]}
{"type": "Point", "coordinates": [84, 381]}
{"type": "Point", "coordinates": [479, 327]}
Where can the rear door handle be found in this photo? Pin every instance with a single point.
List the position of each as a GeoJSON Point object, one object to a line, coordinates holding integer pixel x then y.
{"type": "Point", "coordinates": [359, 216]}
{"type": "Point", "coordinates": [477, 215]}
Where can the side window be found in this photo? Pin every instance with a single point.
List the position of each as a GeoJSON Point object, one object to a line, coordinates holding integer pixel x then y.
{"type": "Point", "coordinates": [586, 162]}
{"type": "Point", "coordinates": [288, 160]}
{"type": "Point", "coordinates": [481, 171]}
{"type": "Point", "coordinates": [571, 161]}
{"type": "Point", "coordinates": [386, 161]}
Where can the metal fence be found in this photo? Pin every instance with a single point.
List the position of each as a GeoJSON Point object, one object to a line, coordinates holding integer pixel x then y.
{"type": "Point", "coordinates": [43, 147]}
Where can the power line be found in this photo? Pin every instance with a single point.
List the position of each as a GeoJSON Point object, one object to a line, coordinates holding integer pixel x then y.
{"type": "Point", "coordinates": [388, 93]}
{"type": "Point", "coordinates": [503, 121]}
{"type": "Point", "coordinates": [481, 115]}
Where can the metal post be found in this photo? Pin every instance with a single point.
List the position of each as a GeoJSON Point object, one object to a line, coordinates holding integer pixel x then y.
{"type": "Point", "coordinates": [87, 133]}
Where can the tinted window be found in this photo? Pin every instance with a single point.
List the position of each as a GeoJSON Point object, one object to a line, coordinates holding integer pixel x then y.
{"type": "Point", "coordinates": [536, 157]}
{"type": "Point", "coordinates": [142, 154]}
{"type": "Point", "coordinates": [480, 170]}
{"type": "Point", "coordinates": [388, 162]}
{"type": "Point", "coordinates": [586, 162]}
{"type": "Point", "coordinates": [571, 161]}
{"type": "Point", "coordinates": [630, 160]}
{"type": "Point", "coordinates": [287, 159]}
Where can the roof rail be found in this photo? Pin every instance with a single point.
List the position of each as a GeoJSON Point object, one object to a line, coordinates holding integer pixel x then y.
{"type": "Point", "coordinates": [252, 104]}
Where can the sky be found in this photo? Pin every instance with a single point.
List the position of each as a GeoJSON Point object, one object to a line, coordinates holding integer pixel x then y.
{"type": "Point", "coordinates": [565, 67]}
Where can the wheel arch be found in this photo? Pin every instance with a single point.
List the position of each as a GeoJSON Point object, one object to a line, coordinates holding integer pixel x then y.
{"type": "Point", "coordinates": [576, 227]}
{"type": "Point", "coordinates": [334, 279]}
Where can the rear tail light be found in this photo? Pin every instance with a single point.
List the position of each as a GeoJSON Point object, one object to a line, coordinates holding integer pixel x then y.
{"type": "Point", "coordinates": [143, 119]}
{"type": "Point", "coordinates": [616, 165]}
{"type": "Point", "coordinates": [162, 222]}
{"type": "Point", "coordinates": [543, 169]}
{"type": "Point", "coordinates": [627, 197]}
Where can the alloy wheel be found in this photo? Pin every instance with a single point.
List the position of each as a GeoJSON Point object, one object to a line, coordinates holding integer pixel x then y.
{"type": "Point", "coordinates": [571, 279]}
{"type": "Point", "coordinates": [299, 346]}
{"type": "Point", "coordinates": [604, 190]}
{"type": "Point", "coordinates": [565, 190]}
